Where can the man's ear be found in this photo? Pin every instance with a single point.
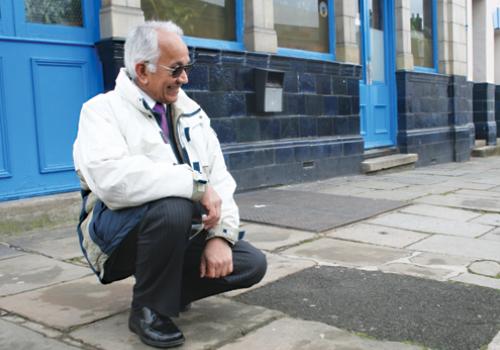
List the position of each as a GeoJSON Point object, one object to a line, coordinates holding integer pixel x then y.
{"type": "Point", "coordinates": [142, 73]}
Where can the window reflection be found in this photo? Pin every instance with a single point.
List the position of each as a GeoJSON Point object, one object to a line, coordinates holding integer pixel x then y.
{"type": "Point", "coordinates": [212, 19]}
{"type": "Point", "coordinates": [302, 24]}
{"type": "Point", "coordinates": [421, 33]}
{"type": "Point", "coordinates": [63, 12]}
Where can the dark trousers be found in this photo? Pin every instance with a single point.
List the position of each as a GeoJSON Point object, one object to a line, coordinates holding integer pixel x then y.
{"type": "Point", "coordinates": [166, 263]}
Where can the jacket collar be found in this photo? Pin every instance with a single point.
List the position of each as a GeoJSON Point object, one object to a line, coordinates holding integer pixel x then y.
{"type": "Point", "coordinates": [131, 93]}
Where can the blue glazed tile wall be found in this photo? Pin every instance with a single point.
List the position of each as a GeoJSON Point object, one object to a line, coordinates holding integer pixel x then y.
{"type": "Point", "coordinates": [435, 116]}
{"type": "Point", "coordinates": [497, 106]}
{"type": "Point", "coordinates": [484, 112]}
{"type": "Point", "coordinates": [320, 108]}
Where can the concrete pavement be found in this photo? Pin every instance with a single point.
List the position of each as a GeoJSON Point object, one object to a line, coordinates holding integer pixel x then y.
{"type": "Point", "coordinates": [426, 275]}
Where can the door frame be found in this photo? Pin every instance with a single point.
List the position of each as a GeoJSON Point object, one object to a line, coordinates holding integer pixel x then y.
{"type": "Point", "coordinates": [390, 64]}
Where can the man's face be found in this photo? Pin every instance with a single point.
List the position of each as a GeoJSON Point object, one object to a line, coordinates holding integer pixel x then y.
{"type": "Point", "coordinates": [161, 85]}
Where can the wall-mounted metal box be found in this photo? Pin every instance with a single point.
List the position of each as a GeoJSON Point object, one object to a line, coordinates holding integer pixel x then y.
{"type": "Point", "coordinates": [269, 90]}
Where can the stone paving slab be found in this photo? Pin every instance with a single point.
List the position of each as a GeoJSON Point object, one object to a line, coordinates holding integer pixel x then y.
{"type": "Point", "coordinates": [410, 178]}
{"type": "Point", "coordinates": [15, 337]}
{"type": "Point", "coordinates": [467, 184]}
{"type": "Point", "coordinates": [488, 219]}
{"type": "Point", "coordinates": [461, 246]}
{"type": "Point", "coordinates": [314, 212]}
{"type": "Point", "coordinates": [495, 344]}
{"type": "Point", "coordinates": [449, 262]}
{"type": "Point", "coordinates": [478, 193]}
{"type": "Point", "coordinates": [378, 235]}
{"type": "Point", "coordinates": [292, 334]}
{"type": "Point", "coordinates": [6, 252]}
{"type": "Point", "coordinates": [445, 316]}
{"type": "Point", "coordinates": [271, 237]}
{"type": "Point", "coordinates": [428, 265]}
{"type": "Point", "coordinates": [70, 304]}
{"type": "Point", "coordinates": [493, 178]}
{"type": "Point", "coordinates": [209, 323]}
{"type": "Point", "coordinates": [431, 225]}
{"type": "Point", "coordinates": [478, 280]}
{"type": "Point", "coordinates": [344, 190]}
{"type": "Point", "coordinates": [444, 170]}
{"type": "Point", "coordinates": [404, 195]}
{"type": "Point", "coordinates": [492, 235]}
{"type": "Point", "coordinates": [59, 243]}
{"type": "Point", "coordinates": [277, 267]}
{"type": "Point", "coordinates": [345, 253]}
{"type": "Point", "coordinates": [438, 274]}
{"type": "Point", "coordinates": [457, 201]}
{"type": "Point", "coordinates": [440, 188]}
{"type": "Point", "coordinates": [379, 185]}
{"type": "Point", "coordinates": [441, 212]}
{"type": "Point", "coordinates": [341, 187]}
{"type": "Point", "coordinates": [40, 328]}
{"type": "Point", "coordinates": [31, 271]}
{"type": "Point", "coordinates": [486, 268]}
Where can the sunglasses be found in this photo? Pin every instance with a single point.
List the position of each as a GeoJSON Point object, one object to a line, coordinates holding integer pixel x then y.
{"type": "Point", "coordinates": [176, 71]}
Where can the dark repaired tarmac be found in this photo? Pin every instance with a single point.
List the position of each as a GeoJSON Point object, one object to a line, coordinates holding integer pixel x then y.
{"type": "Point", "coordinates": [446, 316]}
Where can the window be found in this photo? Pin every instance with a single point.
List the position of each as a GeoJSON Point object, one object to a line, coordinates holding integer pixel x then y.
{"type": "Point", "coordinates": [423, 34]}
{"type": "Point", "coordinates": [63, 12]}
{"type": "Point", "coordinates": [305, 28]}
{"type": "Point", "coordinates": [209, 23]}
{"type": "Point", "coordinates": [496, 19]}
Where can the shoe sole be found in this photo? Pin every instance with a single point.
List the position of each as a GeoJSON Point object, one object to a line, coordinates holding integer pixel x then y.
{"type": "Point", "coordinates": [154, 343]}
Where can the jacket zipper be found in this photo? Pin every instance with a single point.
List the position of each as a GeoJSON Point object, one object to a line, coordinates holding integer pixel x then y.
{"type": "Point", "coordinates": [177, 140]}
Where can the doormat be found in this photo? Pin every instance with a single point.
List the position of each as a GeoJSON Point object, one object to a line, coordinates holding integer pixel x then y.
{"type": "Point", "coordinates": [308, 211]}
{"type": "Point", "coordinates": [386, 306]}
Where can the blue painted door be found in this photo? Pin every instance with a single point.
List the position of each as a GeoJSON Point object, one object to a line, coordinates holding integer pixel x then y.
{"type": "Point", "coordinates": [48, 68]}
{"type": "Point", "coordinates": [377, 89]}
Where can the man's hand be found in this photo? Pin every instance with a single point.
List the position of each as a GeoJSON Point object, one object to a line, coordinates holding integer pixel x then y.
{"type": "Point", "coordinates": [212, 204]}
{"type": "Point", "coordinates": [217, 259]}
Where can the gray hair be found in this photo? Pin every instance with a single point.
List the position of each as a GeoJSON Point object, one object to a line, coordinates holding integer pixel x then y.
{"type": "Point", "coordinates": [142, 44]}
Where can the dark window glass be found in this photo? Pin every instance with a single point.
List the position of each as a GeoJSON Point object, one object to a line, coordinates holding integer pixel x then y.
{"type": "Point", "coordinates": [376, 17]}
{"type": "Point", "coordinates": [422, 33]}
{"type": "Point", "coordinates": [63, 12]}
{"type": "Point", "coordinates": [212, 19]}
{"type": "Point", "coordinates": [302, 24]}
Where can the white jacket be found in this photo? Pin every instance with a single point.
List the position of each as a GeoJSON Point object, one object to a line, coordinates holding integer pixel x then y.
{"type": "Point", "coordinates": [121, 157]}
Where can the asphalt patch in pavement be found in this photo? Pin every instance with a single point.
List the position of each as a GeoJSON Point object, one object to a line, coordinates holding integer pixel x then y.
{"type": "Point", "coordinates": [439, 315]}
{"type": "Point", "coordinates": [309, 211]}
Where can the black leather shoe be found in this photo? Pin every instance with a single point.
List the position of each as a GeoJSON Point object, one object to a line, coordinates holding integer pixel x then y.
{"type": "Point", "coordinates": [154, 329]}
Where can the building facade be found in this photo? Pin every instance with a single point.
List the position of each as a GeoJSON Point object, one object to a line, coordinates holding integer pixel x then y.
{"type": "Point", "coordinates": [297, 90]}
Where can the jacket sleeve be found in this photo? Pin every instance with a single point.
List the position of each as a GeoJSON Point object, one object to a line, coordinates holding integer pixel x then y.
{"type": "Point", "coordinates": [117, 177]}
{"type": "Point", "coordinates": [224, 184]}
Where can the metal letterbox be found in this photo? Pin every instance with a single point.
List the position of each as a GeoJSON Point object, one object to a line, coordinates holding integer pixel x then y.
{"type": "Point", "coordinates": [269, 90]}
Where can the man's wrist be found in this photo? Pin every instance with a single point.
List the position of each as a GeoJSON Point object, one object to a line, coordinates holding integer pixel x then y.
{"type": "Point", "coordinates": [229, 235]}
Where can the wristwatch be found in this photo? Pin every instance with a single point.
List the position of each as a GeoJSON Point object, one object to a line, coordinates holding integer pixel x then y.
{"type": "Point", "coordinates": [200, 182]}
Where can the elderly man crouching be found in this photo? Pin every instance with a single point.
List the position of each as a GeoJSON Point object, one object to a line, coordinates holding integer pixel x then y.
{"type": "Point", "coordinates": [149, 163]}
